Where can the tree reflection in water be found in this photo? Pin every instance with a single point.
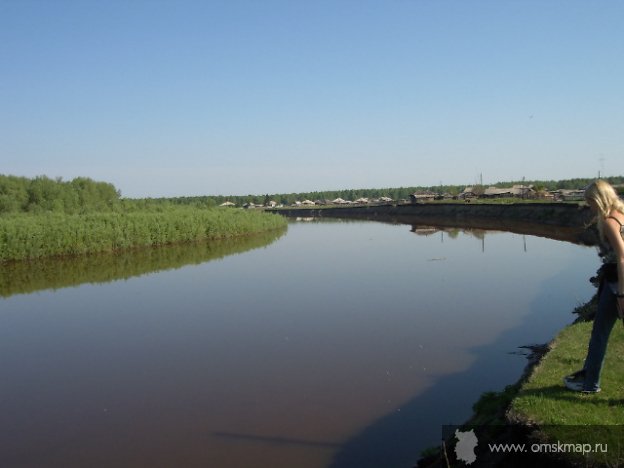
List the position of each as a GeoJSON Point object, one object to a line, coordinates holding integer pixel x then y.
{"type": "Point", "coordinates": [54, 273]}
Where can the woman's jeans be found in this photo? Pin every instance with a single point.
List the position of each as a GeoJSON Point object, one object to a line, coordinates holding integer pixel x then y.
{"type": "Point", "coordinates": [606, 316]}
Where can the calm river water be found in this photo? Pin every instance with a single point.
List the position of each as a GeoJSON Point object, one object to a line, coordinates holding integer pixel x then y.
{"type": "Point", "coordinates": [338, 344]}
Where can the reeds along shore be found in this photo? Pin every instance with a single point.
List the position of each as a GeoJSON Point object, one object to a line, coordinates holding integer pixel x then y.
{"type": "Point", "coordinates": [26, 236]}
{"type": "Point", "coordinates": [42, 217]}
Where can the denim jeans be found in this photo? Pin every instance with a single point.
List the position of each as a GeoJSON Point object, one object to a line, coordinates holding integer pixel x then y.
{"type": "Point", "coordinates": [606, 316]}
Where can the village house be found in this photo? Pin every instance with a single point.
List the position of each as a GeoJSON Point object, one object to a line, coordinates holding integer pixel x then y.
{"type": "Point", "coordinates": [467, 194]}
{"type": "Point", "coordinates": [569, 194]}
{"type": "Point", "coordinates": [340, 201]}
{"type": "Point", "coordinates": [517, 191]}
{"type": "Point", "coordinates": [422, 197]}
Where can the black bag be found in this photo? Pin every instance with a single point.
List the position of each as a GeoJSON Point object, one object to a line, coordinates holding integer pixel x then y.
{"type": "Point", "coordinates": [609, 272]}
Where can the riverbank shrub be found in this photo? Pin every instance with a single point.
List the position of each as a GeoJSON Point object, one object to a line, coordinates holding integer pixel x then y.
{"type": "Point", "coordinates": [27, 236]}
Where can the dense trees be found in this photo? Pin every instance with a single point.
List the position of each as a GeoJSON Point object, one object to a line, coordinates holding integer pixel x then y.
{"type": "Point", "coordinates": [42, 194]}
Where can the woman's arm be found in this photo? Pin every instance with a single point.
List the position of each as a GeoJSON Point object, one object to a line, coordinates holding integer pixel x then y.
{"type": "Point", "coordinates": [612, 233]}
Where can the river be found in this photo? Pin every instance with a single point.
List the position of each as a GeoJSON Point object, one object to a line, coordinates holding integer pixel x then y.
{"type": "Point", "coordinates": [338, 344]}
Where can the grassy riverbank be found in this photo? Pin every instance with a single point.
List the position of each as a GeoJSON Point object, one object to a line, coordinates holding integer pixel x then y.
{"type": "Point", "coordinates": [25, 236]}
{"type": "Point", "coordinates": [544, 400]}
{"type": "Point", "coordinates": [570, 417]}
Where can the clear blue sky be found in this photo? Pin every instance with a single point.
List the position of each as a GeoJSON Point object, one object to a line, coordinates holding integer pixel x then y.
{"type": "Point", "coordinates": [168, 98]}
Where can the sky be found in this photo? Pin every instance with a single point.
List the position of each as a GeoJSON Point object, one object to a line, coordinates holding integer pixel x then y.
{"type": "Point", "coordinates": [235, 97]}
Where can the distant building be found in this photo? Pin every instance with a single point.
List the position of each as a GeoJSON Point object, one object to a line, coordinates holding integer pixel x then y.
{"type": "Point", "coordinates": [517, 191]}
{"type": "Point", "coordinates": [569, 194]}
{"type": "Point", "coordinates": [422, 197]}
{"type": "Point", "coordinates": [467, 193]}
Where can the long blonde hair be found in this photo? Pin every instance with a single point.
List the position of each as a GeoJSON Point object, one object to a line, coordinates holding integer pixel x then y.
{"type": "Point", "coordinates": [606, 199]}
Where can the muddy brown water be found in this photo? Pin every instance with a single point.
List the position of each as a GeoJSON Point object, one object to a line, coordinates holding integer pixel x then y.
{"type": "Point", "coordinates": [337, 344]}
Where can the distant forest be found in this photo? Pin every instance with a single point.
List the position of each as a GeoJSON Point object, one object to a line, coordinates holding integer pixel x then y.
{"type": "Point", "coordinates": [400, 193]}
{"type": "Point", "coordinates": [84, 195]}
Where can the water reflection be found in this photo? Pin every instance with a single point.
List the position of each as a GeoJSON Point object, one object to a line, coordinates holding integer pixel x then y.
{"type": "Point", "coordinates": [54, 273]}
{"type": "Point", "coordinates": [340, 342]}
{"type": "Point", "coordinates": [453, 233]}
{"type": "Point", "coordinates": [479, 227]}
{"type": "Point", "coordinates": [398, 437]}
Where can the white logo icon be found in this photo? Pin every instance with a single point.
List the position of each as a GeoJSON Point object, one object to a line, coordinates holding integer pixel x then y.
{"type": "Point", "coordinates": [466, 444]}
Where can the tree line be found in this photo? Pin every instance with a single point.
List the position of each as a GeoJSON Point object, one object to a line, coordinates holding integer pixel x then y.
{"type": "Point", "coordinates": [42, 194]}
{"type": "Point", "coordinates": [396, 193]}
{"type": "Point", "coordinates": [84, 195]}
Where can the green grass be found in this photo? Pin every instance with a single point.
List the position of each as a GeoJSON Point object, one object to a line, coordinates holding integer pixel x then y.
{"type": "Point", "coordinates": [31, 236]}
{"type": "Point", "coordinates": [544, 401]}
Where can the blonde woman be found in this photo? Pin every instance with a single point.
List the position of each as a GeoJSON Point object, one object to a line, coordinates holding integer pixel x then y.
{"type": "Point", "coordinates": [605, 203]}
